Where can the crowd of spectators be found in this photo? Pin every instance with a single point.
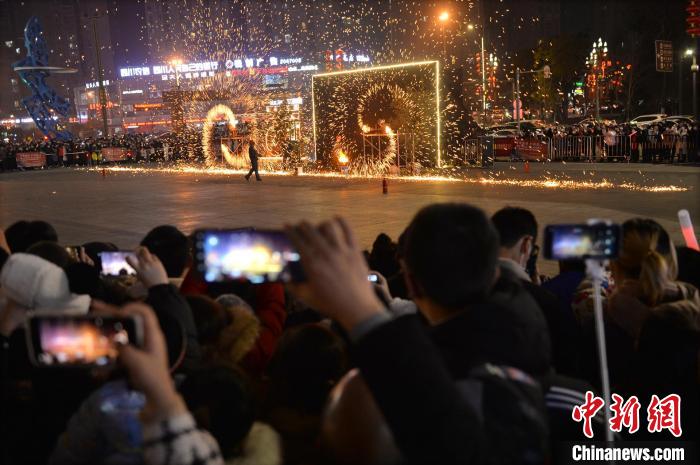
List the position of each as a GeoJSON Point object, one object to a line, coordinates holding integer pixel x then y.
{"type": "Point", "coordinates": [663, 141]}
{"type": "Point", "coordinates": [461, 352]}
{"type": "Point", "coordinates": [86, 151]}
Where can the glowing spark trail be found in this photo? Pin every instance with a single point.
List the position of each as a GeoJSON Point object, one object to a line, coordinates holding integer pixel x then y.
{"type": "Point", "coordinates": [545, 183]}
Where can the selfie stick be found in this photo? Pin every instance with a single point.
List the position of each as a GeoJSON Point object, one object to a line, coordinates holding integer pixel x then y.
{"type": "Point", "coordinates": [596, 273]}
{"type": "Point", "coordinates": [687, 229]}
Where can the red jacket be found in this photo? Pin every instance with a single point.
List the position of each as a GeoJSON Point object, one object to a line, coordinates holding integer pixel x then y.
{"type": "Point", "coordinates": [270, 310]}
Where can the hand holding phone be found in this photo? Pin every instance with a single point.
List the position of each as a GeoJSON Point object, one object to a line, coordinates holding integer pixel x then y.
{"type": "Point", "coordinates": [80, 340]}
{"type": "Point", "coordinates": [147, 363]}
{"type": "Point", "coordinates": [148, 267]}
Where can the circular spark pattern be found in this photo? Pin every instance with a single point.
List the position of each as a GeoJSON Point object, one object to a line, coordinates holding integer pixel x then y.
{"type": "Point", "coordinates": [208, 141]}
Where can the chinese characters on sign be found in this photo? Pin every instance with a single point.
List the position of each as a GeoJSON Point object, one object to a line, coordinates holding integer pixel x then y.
{"type": "Point", "coordinates": [664, 56]}
{"type": "Point", "coordinates": [231, 66]}
{"type": "Point", "coordinates": [662, 414]}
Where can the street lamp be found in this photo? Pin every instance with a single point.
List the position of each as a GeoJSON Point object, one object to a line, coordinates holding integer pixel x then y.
{"type": "Point", "coordinates": [598, 58]}
{"type": "Point", "coordinates": [694, 68]}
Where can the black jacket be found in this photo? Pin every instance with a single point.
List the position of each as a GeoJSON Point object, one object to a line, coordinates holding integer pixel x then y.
{"type": "Point", "coordinates": [428, 418]}
{"type": "Point", "coordinates": [507, 329]}
{"type": "Point", "coordinates": [177, 323]}
{"type": "Point", "coordinates": [563, 332]}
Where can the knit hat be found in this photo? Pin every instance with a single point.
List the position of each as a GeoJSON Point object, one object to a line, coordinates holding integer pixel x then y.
{"type": "Point", "coordinates": [38, 284]}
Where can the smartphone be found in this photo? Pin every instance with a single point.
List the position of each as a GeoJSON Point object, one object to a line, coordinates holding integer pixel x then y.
{"type": "Point", "coordinates": [245, 254]}
{"type": "Point", "coordinates": [581, 241]}
{"type": "Point", "coordinates": [115, 264]}
{"type": "Point", "coordinates": [531, 265]}
{"type": "Point", "coordinates": [79, 340]}
{"type": "Point", "coordinates": [373, 278]}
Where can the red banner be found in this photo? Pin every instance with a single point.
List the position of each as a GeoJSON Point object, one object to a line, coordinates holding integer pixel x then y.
{"type": "Point", "coordinates": [113, 153]}
{"type": "Point", "coordinates": [31, 159]}
{"type": "Point", "coordinates": [531, 148]}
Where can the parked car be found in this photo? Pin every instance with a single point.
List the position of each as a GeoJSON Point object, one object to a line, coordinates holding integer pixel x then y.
{"type": "Point", "coordinates": [687, 119]}
{"type": "Point", "coordinates": [646, 120]}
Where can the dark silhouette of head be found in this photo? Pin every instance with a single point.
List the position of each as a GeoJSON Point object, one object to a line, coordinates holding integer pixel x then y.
{"type": "Point", "coordinates": [450, 255]}
{"type": "Point", "coordinates": [171, 246]}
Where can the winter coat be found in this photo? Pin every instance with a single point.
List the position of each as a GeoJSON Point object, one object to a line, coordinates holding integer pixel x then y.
{"type": "Point", "coordinates": [176, 321]}
{"type": "Point", "coordinates": [508, 329]}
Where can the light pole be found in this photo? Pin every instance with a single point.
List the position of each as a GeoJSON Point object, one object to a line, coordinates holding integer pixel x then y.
{"type": "Point", "coordinates": [597, 58]}
{"type": "Point", "coordinates": [694, 69]}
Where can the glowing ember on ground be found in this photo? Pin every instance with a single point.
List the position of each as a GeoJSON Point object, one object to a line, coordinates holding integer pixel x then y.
{"type": "Point", "coordinates": [549, 182]}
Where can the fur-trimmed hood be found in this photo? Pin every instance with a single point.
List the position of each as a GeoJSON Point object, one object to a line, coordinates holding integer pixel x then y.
{"type": "Point", "coordinates": [262, 446]}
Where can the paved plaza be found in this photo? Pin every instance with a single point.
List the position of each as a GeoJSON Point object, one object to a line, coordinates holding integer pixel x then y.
{"type": "Point", "coordinates": [121, 206]}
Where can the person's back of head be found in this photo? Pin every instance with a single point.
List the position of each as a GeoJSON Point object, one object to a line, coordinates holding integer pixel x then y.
{"type": "Point", "coordinates": [308, 361]}
{"type": "Point", "coordinates": [517, 228]}
{"type": "Point", "coordinates": [221, 402]}
{"type": "Point", "coordinates": [52, 252]}
{"type": "Point", "coordinates": [225, 332]}
{"type": "Point", "coordinates": [16, 236]}
{"type": "Point", "coordinates": [450, 255]}
{"type": "Point", "coordinates": [38, 231]}
{"type": "Point", "coordinates": [37, 284]}
{"type": "Point", "coordinates": [210, 318]}
{"type": "Point", "coordinates": [171, 246]}
{"type": "Point", "coordinates": [641, 258]}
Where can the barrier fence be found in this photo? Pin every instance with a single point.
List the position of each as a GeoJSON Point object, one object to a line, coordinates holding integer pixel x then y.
{"type": "Point", "coordinates": [669, 149]}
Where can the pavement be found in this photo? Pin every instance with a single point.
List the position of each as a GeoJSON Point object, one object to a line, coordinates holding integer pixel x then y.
{"type": "Point", "coordinates": [122, 206]}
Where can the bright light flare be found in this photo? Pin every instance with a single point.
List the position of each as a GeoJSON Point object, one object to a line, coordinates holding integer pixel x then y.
{"type": "Point", "coordinates": [444, 16]}
{"type": "Point", "coordinates": [343, 158]}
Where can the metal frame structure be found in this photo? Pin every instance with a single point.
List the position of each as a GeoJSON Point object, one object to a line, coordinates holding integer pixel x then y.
{"type": "Point", "coordinates": [438, 109]}
{"type": "Point", "coordinates": [405, 147]}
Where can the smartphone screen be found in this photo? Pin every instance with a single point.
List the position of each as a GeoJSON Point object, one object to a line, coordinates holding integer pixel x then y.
{"type": "Point", "coordinates": [567, 242]}
{"type": "Point", "coordinates": [258, 256]}
{"type": "Point", "coordinates": [115, 264]}
{"type": "Point", "coordinates": [373, 278]}
{"type": "Point", "coordinates": [85, 340]}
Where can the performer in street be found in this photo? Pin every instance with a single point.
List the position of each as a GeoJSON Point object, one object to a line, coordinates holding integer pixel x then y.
{"type": "Point", "coordinates": [253, 154]}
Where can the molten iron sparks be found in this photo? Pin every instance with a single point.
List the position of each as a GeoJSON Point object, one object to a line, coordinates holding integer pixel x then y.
{"type": "Point", "coordinates": [549, 182]}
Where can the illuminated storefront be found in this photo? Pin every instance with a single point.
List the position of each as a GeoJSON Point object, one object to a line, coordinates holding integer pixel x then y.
{"type": "Point", "coordinates": [136, 103]}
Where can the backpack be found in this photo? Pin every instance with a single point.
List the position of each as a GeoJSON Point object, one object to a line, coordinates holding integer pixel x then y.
{"type": "Point", "coordinates": [510, 406]}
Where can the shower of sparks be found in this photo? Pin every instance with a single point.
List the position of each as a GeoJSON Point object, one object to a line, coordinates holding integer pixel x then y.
{"type": "Point", "coordinates": [390, 32]}
{"type": "Point", "coordinates": [549, 182]}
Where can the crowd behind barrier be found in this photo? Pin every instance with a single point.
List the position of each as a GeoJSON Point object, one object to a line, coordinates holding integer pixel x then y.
{"type": "Point", "coordinates": [657, 143]}
{"type": "Point", "coordinates": [93, 151]}
{"type": "Point", "coordinates": [460, 352]}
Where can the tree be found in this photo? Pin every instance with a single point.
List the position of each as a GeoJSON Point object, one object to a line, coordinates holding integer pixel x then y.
{"type": "Point", "coordinates": [565, 55]}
